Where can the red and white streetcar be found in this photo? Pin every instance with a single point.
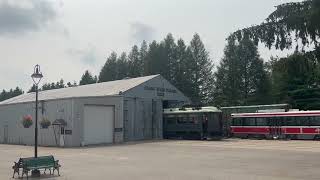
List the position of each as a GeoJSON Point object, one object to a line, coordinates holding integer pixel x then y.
{"type": "Point", "coordinates": [290, 125]}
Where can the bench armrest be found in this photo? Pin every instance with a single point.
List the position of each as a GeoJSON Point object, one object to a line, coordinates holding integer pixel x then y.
{"type": "Point", "coordinates": [56, 163]}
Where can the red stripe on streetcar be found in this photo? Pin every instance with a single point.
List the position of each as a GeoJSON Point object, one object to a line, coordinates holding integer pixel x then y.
{"type": "Point", "coordinates": [268, 130]}
{"type": "Point", "coordinates": [292, 130]}
{"type": "Point", "coordinates": [310, 130]}
{"type": "Point", "coordinates": [253, 130]}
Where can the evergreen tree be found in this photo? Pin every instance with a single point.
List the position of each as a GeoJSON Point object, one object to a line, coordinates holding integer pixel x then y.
{"type": "Point", "coordinates": [182, 82]}
{"type": "Point", "coordinates": [143, 57]}
{"type": "Point", "coordinates": [49, 86]}
{"type": "Point", "coordinates": [200, 71]}
{"type": "Point", "coordinates": [296, 21]}
{"type": "Point", "coordinates": [241, 77]}
{"type": "Point", "coordinates": [122, 66]}
{"type": "Point", "coordinates": [87, 78]}
{"type": "Point", "coordinates": [295, 81]}
{"type": "Point", "coordinates": [32, 89]}
{"type": "Point", "coordinates": [169, 61]}
{"type": "Point", "coordinates": [46, 86]}
{"type": "Point", "coordinates": [109, 71]}
{"type": "Point", "coordinates": [154, 59]}
{"type": "Point", "coordinates": [4, 95]}
{"type": "Point", "coordinates": [69, 84]}
{"type": "Point", "coordinates": [60, 84]}
{"type": "Point", "coordinates": [136, 67]}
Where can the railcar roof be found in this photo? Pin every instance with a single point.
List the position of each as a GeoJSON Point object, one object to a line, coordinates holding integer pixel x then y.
{"type": "Point", "coordinates": [191, 110]}
{"type": "Point", "coordinates": [278, 114]}
{"type": "Point", "coordinates": [256, 106]}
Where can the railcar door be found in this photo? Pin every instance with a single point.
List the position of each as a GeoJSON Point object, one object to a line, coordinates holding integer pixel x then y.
{"type": "Point", "coordinates": [275, 127]}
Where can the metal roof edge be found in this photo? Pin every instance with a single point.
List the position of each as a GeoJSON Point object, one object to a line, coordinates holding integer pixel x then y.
{"type": "Point", "coordinates": [67, 98]}
{"type": "Point", "coordinates": [154, 76]}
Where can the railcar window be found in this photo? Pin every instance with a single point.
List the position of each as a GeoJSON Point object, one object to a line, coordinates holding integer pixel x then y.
{"type": "Point", "coordinates": [237, 121]}
{"type": "Point", "coordinates": [194, 119]}
{"type": "Point", "coordinates": [249, 122]}
{"type": "Point", "coordinates": [289, 121]}
{"type": "Point", "coordinates": [261, 121]}
{"type": "Point", "coordinates": [171, 120]}
{"type": "Point", "coordinates": [315, 121]}
{"type": "Point", "coordinates": [302, 121]}
{"type": "Point", "coordinates": [182, 120]}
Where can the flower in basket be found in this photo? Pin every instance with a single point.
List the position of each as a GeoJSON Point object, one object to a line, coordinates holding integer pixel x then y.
{"type": "Point", "coordinates": [27, 121]}
{"type": "Point", "coordinates": [45, 123]}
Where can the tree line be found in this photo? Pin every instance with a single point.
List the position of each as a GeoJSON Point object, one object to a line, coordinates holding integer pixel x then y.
{"type": "Point", "coordinates": [242, 77]}
{"type": "Point", "coordinates": [10, 93]}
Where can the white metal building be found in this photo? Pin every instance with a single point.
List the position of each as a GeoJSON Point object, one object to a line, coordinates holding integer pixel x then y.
{"type": "Point", "coordinates": [109, 112]}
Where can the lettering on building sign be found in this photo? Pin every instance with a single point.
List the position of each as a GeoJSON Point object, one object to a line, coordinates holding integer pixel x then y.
{"type": "Point", "coordinates": [160, 90]}
{"type": "Point", "coordinates": [68, 131]}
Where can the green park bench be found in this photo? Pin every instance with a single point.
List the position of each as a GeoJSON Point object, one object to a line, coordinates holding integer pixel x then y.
{"type": "Point", "coordinates": [31, 163]}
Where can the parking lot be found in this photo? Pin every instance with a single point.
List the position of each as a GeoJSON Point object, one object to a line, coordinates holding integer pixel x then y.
{"type": "Point", "coordinates": [211, 160]}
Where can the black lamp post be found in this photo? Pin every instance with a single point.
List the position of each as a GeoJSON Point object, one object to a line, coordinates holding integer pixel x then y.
{"type": "Point", "coordinates": [36, 77]}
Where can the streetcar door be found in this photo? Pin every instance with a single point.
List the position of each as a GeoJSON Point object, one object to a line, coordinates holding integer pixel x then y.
{"type": "Point", "coordinates": [275, 127]}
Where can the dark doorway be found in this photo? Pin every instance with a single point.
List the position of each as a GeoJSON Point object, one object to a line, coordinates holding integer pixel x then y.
{"type": "Point", "coordinates": [165, 104]}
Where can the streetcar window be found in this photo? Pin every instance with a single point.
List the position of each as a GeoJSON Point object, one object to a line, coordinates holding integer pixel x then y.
{"type": "Point", "coordinates": [261, 122]}
{"type": "Point", "coordinates": [302, 121]}
{"type": "Point", "coordinates": [185, 119]}
{"type": "Point", "coordinates": [237, 121]}
{"type": "Point", "coordinates": [290, 121]}
{"type": "Point", "coordinates": [194, 119]}
{"type": "Point", "coordinates": [249, 122]}
{"type": "Point", "coordinates": [171, 119]}
{"type": "Point", "coordinates": [315, 121]}
{"type": "Point", "coordinates": [182, 120]}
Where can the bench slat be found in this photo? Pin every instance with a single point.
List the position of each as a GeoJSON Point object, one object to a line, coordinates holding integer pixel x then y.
{"type": "Point", "coordinates": [38, 163]}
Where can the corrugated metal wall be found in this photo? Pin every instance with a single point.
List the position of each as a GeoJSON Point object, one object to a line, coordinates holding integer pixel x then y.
{"type": "Point", "coordinates": [142, 119]}
{"type": "Point", "coordinates": [13, 132]}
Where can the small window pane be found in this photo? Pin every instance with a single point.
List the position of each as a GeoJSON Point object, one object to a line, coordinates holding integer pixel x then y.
{"type": "Point", "coordinates": [261, 121]}
{"type": "Point", "coordinates": [171, 120]}
{"type": "Point", "coordinates": [237, 121]}
{"type": "Point", "coordinates": [289, 121]}
{"type": "Point", "coordinates": [302, 121]}
{"type": "Point", "coordinates": [182, 120]}
{"type": "Point", "coordinates": [249, 122]}
{"type": "Point", "coordinates": [315, 121]}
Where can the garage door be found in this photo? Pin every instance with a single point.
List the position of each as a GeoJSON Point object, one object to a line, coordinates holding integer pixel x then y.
{"type": "Point", "coordinates": [98, 124]}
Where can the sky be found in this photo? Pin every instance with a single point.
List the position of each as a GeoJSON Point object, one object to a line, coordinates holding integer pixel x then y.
{"type": "Point", "coordinates": [67, 37]}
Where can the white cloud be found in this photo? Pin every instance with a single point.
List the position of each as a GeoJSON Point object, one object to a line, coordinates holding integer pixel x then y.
{"type": "Point", "coordinates": [21, 16]}
{"type": "Point", "coordinates": [68, 37]}
{"type": "Point", "coordinates": [141, 31]}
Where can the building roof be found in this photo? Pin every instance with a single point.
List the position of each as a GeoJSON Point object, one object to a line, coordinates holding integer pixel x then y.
{"type": "Point", "coordinates": [92, 90]}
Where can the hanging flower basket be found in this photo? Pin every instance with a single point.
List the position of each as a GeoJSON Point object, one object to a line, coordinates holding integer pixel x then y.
{"type": "Point", "coordinates": [45, 123]}
{"type": "Point", "coordinates": [27, 121]}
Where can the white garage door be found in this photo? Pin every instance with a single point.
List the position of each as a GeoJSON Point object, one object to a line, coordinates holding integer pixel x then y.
{"type": "Point", "coordinates": [98, 124]}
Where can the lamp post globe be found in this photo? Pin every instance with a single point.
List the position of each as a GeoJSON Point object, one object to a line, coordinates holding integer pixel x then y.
{"type": "Point", "coordinates": [36, 77]}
